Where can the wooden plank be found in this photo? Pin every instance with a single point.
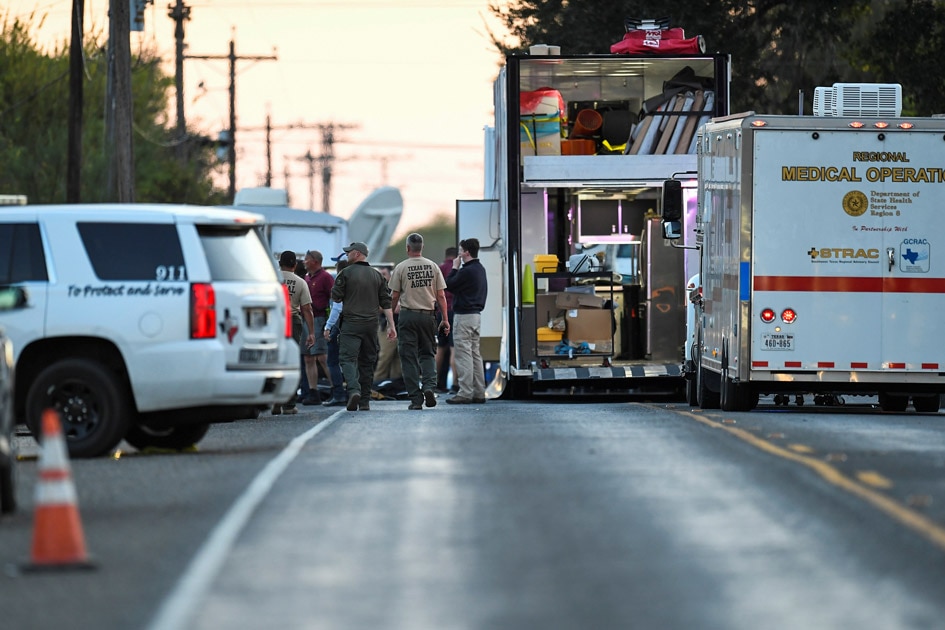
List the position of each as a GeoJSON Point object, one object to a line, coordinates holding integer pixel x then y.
{"type": "Point", "coordinates": [648, 140]}
{"type": "Point", "coordinates": [680, 124]}
{"type": "Point", "coordinates": [671, 122]}
{"type": "Point", "coordinates": [641, 132]}
{"type": "Point", "coordinates": [688, 130]}
{"type": "Point", "coordinates": [709, 102]}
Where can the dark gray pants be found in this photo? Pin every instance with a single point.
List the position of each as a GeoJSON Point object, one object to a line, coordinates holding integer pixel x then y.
{"type": "Point", "coordinates": [357, 350]}
{"type": "Point", "coordinates": [416, 342]}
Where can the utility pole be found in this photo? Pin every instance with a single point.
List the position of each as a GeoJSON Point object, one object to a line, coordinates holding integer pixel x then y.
{"type": "Point", "coordinates": [326, 159]}
{"type": "Point", "coordinates": [285, 177]}
{"type": "Point", "coordinates": [74, 156]}
{"type": "Point", "coordinates": [232, 58]}
{"type": "Point", "coordinates": [180, 13]}
{"type": "Point", "coordinates": [268, 151]}
{"type": "Point", "coordinates": [118, 119]}
{"type": "Point", "coordinates": [311, 159]}
{"type": "Point", "coordinates": [384, 161]}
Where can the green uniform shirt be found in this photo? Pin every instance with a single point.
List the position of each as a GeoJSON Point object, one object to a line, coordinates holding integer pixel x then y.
{"type": "Point", "coordinates": [364, 292]}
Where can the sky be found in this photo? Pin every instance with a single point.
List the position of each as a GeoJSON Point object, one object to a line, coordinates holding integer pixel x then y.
{"type": "Point", "coordinates": [407, 83]}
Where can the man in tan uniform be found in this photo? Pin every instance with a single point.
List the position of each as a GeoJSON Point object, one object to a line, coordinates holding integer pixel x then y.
{"type": "Point", "coordinates": [300, 303]}
{"type": "Point", "coordinates": [418, 285]}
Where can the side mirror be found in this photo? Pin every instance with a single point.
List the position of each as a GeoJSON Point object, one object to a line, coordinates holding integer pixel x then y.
{"type": "Point", "coordinates": [695, 296]}
{"type": "Point", "coordinates": [672, 230]}
{"type": "Point", "coordinates": [672, 201]}
{"type": "Point", "coordinates": [13, 298]}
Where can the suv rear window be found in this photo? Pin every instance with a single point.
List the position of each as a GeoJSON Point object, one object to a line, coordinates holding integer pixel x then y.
{"type": "Point", "coordinates": [237, 253]}
{"type": "Point", "coordinates": [21, 254]}
{"type": "Point", "coordinates": [134, 251]}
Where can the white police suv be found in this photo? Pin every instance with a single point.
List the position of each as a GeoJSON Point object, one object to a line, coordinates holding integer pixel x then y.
{"type": "Point", "coordinates": [144, 322]}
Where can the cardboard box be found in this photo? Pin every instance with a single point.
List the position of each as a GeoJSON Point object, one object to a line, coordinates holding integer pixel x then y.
{"type": "Point", "coordinates": [590, 325]}
{"type": "Point", "coordinates": [545, 308]}
{"type": "Point", "coordinates": [569, 299]}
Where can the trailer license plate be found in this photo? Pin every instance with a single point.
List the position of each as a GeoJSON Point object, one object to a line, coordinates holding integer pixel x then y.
{"type": "Point", "coordinates": [778, 342]}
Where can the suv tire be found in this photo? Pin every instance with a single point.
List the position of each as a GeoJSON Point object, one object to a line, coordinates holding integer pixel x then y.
{"type": "Point", "coordinates": [91, 401]}
{"type": "Point", "coordinates": [180, 437]}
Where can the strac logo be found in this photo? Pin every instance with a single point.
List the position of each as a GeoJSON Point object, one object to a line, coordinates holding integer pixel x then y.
{"type": "Point", "coordinates": [842, 253]}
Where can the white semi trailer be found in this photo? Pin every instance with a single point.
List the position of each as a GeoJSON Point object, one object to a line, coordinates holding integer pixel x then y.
{"type": "Point", "coordinates": [820, 266]}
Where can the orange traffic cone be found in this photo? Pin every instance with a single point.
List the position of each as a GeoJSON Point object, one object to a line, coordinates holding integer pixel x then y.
{"type": "Point", "coordinates": [58, 541]}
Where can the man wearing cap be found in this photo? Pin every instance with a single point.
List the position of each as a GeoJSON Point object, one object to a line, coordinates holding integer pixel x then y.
{"type": "Point", "coordinates": [300, 304]}
{"type": "Point", "coordinates": [417, 284]}
{"type": "Point", "coordinates": [364, 292]}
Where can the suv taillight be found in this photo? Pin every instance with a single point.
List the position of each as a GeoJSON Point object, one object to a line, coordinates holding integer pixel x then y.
{"type": "Point", "coordinates": [288, 312]}
{"type": "Point", "coordinates": [203, 312]}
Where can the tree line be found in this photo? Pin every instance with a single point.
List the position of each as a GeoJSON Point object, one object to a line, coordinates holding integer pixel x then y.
{"type": "Point", "coordinates": [34, 101]}
{"type": "Point", "coordinates": [778, 47]}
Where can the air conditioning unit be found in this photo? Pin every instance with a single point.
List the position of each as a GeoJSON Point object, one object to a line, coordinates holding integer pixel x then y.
{"type": "Point", "coordinates": [868, 99]}
{"type": "Point", "coordinates": [858, 99]}
{"type": "Point", "coordinates": [824, 104]}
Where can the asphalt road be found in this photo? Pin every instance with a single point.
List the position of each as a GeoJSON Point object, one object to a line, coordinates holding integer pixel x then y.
{"type": "Point", "coordinates": [545, 514]}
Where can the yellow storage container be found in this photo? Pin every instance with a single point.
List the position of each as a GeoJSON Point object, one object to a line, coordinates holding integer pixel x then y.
{"type": "Point", "coordinates": [548, 334]}
{"type": "Point", "coordinates": [546, 263]}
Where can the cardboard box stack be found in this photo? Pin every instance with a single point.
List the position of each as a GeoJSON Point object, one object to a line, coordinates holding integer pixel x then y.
{"type": "Point", "coordinates": [585, 321]}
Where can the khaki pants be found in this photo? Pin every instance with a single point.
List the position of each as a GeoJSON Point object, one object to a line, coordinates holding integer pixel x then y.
{"type": "Point", "coordinates": [467, 357]}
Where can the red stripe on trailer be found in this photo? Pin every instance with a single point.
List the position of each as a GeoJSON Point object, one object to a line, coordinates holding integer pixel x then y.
{"type": "Point", "coordinates": [825, 364]}
{"type": "Point", "coordinates": [846, 284]}
{"type": "Point", "coordinates": [930, 366]}
{"type": "Point", "coordinates": [792, 364]}
{"type": "Point", "coordinates": [759, 364]}
{"type": "Point", "coordinates": [859, 366]}
{"type": "Point", "coordinates": [896, 366]}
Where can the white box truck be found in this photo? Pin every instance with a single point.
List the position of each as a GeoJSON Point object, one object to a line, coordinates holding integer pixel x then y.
{"type": "Point", "coordinates": [293, 229]}
{"type": "Point", "coordinates": [575, 167]}
{"type": "Point", "coordinates": [820, 266]}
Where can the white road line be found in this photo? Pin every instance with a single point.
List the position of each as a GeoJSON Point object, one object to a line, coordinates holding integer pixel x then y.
{"type": "Point", "coordinates": [179, 607]}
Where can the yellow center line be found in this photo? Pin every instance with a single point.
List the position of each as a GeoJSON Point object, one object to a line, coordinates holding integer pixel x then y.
{"type": "Point", "coordinates": [873, 478]}
{"type": "Point", "coordinates": [898, 512]}
{"type": "Point", "coordinates": [800, 448]}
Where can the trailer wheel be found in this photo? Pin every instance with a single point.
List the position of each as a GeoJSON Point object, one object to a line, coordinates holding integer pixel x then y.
{"type": "Point", "coordinates": [893, 402]}
{"type": "Point", "coordinates": [926, 404]}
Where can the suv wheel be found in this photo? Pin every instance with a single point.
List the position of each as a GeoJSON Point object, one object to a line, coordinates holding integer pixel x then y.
{"type": "Point", "coordinates": [142, 436]}
{"type": "Point", "coordinates": [92, 405]}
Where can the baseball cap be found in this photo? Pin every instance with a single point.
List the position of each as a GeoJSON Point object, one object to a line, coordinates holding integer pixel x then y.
{"type": "Point", "coordinates": [356, 246]}
{"type": "Point", "coordinates": [341, 256]}
{"type": "Point", "coordinates": [287, 259]}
